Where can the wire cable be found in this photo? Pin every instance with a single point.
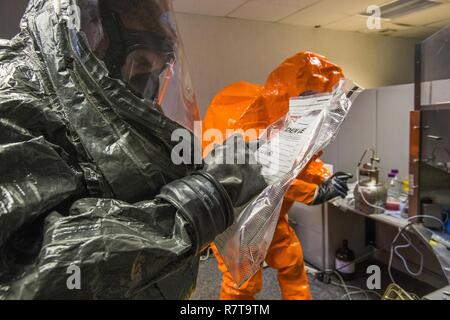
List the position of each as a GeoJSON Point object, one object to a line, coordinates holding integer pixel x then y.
{"type": "Point", "coordinates": [208, 254]}
{"type": "Point", "coordinates": [344, 285]}
{"type": "Point", "coordinates": [395, 249]}
{"type": "Point", "coordinates": [365, 292]}
{"type": "Point", "coordinates": [358, 186]}
{"type": "Point", "coordinates": [347, 288]}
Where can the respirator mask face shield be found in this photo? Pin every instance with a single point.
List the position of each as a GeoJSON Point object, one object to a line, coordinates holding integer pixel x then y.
{"type": "Point", "coordinates": [142, 72]}
{"type": "Point", "coordinates": [139, 43]}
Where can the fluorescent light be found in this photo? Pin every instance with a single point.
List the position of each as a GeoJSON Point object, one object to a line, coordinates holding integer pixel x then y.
{"type": "Point", "coordinates": [402, 8]}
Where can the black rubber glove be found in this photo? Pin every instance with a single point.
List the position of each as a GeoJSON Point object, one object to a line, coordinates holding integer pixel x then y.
{"type": "Point", "coordinates": [334, 187]}
{"type": "Point", "coordinates": [238, 172]}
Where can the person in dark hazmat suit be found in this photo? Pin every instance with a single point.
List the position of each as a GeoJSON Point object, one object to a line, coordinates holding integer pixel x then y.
{"type": "Point", "coordinates": [91, 204]}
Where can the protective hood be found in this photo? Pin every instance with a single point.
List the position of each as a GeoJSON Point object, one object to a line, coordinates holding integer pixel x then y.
{"type": "Point", "coordinates": [296, 83]}
{"type": "Point", "coordinates": [247, 106]}
{"type": "Point", "coordinates": [86, 175]}
{"type": "Point", "coordinates": [114, 125]}
{"type": "Point", "coordinates": [130, 49]}
{"type": "Point", "coordinates": [250, 106]}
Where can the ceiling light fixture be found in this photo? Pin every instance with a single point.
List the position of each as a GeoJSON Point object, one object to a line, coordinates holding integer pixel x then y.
{"type": "Point", "coordinates": [402, 8]}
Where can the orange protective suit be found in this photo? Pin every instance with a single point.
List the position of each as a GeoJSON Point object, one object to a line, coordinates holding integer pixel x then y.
{"type": "Point", "coordinates": [244, 106]}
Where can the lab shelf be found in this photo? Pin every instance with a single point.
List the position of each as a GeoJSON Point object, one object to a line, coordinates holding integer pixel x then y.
{"type": "Point", "coordinates": [384, 218]}
{"type": "Point", "coordinates": [437, 106]}
{"type": "Point", "coordinates": [442, 170]}
{"type": "Point", "coordinates": [417, 228]}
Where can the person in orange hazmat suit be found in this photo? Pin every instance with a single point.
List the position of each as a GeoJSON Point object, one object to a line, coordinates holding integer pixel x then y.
{"type": "Point", "coordinates": [244, 106]}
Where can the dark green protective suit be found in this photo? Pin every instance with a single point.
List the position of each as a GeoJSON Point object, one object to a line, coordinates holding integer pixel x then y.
{"type": "Point", "coordinates": [86, 178]}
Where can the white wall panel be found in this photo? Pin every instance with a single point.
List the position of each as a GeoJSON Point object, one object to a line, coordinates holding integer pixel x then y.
{"type": "Point", "coordinates": [440, 91]}
{"type": "Point", "coordinates": [358, 132]}
{"type": "Point", "coordinates": [308, 224]}
{"type": "Point", "coordinates": [222, 51]}
{"type": "Point", "coordinates": [393, 113]}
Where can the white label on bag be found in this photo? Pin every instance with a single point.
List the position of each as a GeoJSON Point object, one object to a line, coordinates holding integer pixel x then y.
{"type": "Point", "coordinates": [278, 156]}
{"type": "Point", "coordinates": [297, 105]}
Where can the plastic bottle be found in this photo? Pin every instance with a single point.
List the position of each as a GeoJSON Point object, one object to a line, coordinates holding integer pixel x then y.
{"type": "Point", "coordinates": [393, 200]}
{"type": "Point", "coordinates": [398, 182]}
{"type": "Point", "coordinates": [345, 262]}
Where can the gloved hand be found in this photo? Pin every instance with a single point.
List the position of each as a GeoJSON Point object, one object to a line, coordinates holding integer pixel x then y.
{"type": "Point", "coordinates": [336, 186]}
{"type": "Point", "coordinates": [234, 166]}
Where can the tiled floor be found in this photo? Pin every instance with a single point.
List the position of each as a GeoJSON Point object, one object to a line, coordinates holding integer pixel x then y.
{"type": "Point", "coordinates": [208, 285]}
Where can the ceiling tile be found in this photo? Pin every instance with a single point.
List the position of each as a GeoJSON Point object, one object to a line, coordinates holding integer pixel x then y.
{"type": "Point", "coordinates": [207, 7]}
{"type": "Point", "coordinates": [359, 23]}
{"type": "Point", "coordinates": [353, 23]}
{"type": "Point", "coordinates": [387, 27]}
{"type": "Point", "coordinates": [270, 10]}
{"type": "Point", "coordinates": [315, 15]}
{"type": "Point", "coordinates": [440, 24]}
{"type": "Point", "coordinates": [330, 14]}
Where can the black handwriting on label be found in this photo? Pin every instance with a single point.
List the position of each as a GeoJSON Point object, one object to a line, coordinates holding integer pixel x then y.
{"type": "Point", "coordinates": [295, 131]}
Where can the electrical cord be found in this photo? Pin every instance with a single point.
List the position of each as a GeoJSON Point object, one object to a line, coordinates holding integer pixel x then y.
{"type": "Point", "coordinates": [347, 288]}
{"type": "Point", "coordinates": [395, 249]}
{"type": "Point", "coordinates": [409, 244]}
{"type": "Point", "coordinates": [208, 254]}
{"type": "Point", "coordinates": [363, 197]}
{"type": "Point", "coordinates": [321, 277]}
{"type": "Point", "coordinates": [365, 292]}
{"type": "Point", "coordinates": [359, 291]}
{"type": "Point", "coordinates": [344, 285]}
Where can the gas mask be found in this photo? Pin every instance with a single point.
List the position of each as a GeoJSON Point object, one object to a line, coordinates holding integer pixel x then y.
{"type": "Point", "coordinates": [142, 48]}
